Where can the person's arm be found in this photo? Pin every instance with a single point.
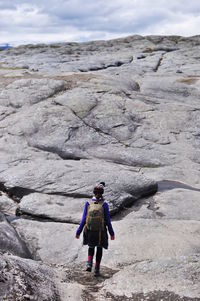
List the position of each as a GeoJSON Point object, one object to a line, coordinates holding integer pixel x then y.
{"type": "Point", "coordinates": [83, 221]}
{"type": "Point", "coordinates": [108, 221]}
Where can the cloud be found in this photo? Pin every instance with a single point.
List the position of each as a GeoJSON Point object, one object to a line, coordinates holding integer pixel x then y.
{"type": "Point", "coordinates": [24, 15]}
{"type": "Point", "coordinates": [81, 20]}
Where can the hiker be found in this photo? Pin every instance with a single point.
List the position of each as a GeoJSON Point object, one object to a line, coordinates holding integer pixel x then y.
{"type": "Point", "coordinates": [95, 221]}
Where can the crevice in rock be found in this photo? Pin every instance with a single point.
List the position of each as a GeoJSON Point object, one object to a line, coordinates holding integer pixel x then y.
{"type": "Point", "coordinates": [160, 48]}
{"type": "Point", "coordinates": [98, 130]}
{"type": "Point", "coordinates": [115, 64]}
{"type": "Point", "coordinates": [72, 194]}
{"type": "Point", "coordinates": [118, 212]}
{"type": "Point", "coordinates": [134, 204]}
{"type": "Point", "coordinates": [89, 110]}
{"type": "Point", "coordinates": [155, 69]}
{"type": "Point", "coordinates": [148, 200]}
{"type": "Point", "coordinates": [17, 193]}
{"type": "Point", "coordinates": [3, 116]}
{"type": "Point", "coordinates": [43, 218]}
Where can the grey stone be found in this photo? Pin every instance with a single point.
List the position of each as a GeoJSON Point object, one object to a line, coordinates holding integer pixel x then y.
{"type": "Point", "coordinates": [176, 203]}
{"type": "Point", "coordinates": [55, 207]}
{"type": "Point", "coordinates": [125, 111]}
{"type": "Point", "coordinates": [7, 205]}
{"type": "Point", "coordinates": [58, 177]}
{"type": "Point", "coordinates": [24, 278]}
{"type": "Point", "coordinates": [148, 239]}
{"type": "Point", "coordinates": [10, 242]}
{"type": "Point", "coordinates": [29, 91]}
{"type": "Point", "coordinates": [178, 275]}
{"type": "Point", "coordinates": [53, 243]}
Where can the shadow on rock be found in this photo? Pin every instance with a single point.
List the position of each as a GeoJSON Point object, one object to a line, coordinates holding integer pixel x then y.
{"type": "Point", "coordinates": [169, 185]}
{"type": "Point", "coordinates": [151, 296]}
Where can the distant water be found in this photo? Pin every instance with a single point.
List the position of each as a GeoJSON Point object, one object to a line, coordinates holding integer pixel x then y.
{"type": "Point", "coordinates": [5, 46]}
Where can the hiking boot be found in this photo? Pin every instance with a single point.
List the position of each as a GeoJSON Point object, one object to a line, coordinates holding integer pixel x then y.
{"type": "Point", "coordinates": [96, 272]}
{"type": "Point", "coordinates": [89, 266]}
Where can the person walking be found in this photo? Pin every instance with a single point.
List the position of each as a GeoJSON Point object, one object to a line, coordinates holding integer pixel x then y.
{"type": "Point", "coordinates": [95, 222]}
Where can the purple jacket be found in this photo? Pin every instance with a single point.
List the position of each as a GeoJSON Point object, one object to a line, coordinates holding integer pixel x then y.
{"type": "Point", "coordinates": [106, 217]}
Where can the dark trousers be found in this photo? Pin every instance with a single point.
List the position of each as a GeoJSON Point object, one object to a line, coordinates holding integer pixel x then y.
{"type": "Point", "coordinates": [99, 253]}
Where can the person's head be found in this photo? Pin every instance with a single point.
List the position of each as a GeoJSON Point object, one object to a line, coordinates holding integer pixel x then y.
{"type": "Point", "coordinates": [99, 189]}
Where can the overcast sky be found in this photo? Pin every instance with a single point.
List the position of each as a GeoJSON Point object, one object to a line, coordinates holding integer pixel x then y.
{"type": "Point", "coordinates": [82, 20]}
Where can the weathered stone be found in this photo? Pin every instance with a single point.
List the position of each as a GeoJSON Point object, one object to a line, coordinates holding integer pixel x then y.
{"type": "Point", "coordinates": [119, 111]}
{"type": "Point", "coordinates": [29, 91]}
{"type": "Point", "coordinates": [149, 239]}
{"type": "Point", "coordinates": [178, 203]}
{"type": "Point", "coordinates": [80, 101]}
{"type": "Point", "coordinates": [179, 276]}
{"type": "Point", "coordinates": [55, 207]}
{"type": "Point", "coordinates": [24, 279]}
{"type": "Point", "coordinates": [53, 243]}
{"type": "Point", "coordinates": [7, 205]}
{"type": "Point", "coordinates": [58, 177]}
{"type": "Point", "coordinates": [10, 242]}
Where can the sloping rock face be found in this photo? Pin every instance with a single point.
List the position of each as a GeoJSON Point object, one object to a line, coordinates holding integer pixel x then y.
{"type": "Point", "coordinates": [126, 112]}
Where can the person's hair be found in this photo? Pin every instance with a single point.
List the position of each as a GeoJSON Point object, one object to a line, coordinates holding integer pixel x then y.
{"type": "Point", "coordinates": [99, 188]}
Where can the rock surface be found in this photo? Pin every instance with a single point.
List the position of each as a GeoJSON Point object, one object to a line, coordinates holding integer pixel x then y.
{"type": "Point", "coordinates": [123, 111]}
{"type": "Point", "coordinates": [23, 279]}
{"type": "Point", "coordinates": [179, 275]}
{"type": "Point", "coordinates": [10, 241]}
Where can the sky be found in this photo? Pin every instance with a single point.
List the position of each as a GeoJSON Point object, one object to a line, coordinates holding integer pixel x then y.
{"type": "Point", "coordinates": [48, 21]}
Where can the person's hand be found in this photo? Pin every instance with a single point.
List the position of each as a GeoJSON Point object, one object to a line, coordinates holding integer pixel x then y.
{"type": "Point", "coordinates": [77, 236]}
{"type": "Point", "coordinates": [112, 237]}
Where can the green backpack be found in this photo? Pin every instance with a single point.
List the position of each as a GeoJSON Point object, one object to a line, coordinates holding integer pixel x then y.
{"type": "Point", "coordinates": [95, 216]}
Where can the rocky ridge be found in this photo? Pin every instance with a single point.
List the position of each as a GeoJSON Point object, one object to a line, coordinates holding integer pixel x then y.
{"type": "Point", "coordinates": [125, 111]}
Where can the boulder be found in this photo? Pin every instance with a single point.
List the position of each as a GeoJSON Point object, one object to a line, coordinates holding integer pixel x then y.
{"type": "Point", "coordinates": [49, 242]}
{"type": "Point", "coordinates": [25, 279]}
{"type": "Point", "coordinates": [7, 205]}
{"type": "Point", "coordinates": [77, 178]}
{"type": "Point", "coordinates": [10, 242]}
{"type": "Point", "coordinates": [54, 207]}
